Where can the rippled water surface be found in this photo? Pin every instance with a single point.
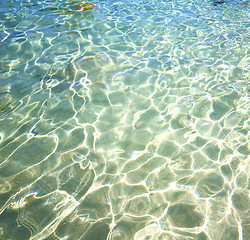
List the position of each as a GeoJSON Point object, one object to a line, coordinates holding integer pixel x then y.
{"type": "Point", "coordinates": [126, 121]}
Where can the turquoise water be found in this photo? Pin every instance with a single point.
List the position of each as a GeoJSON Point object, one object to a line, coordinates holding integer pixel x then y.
{"type": "Point", "coordinates": [126, 121]}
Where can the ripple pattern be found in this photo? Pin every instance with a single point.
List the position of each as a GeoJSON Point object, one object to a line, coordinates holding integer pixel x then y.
{"type": "Point", "coordinates": [126, 121]}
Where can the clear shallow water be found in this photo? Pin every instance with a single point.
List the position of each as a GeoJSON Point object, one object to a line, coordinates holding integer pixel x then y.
{"type": "Point", "coordinates": [129, 121]}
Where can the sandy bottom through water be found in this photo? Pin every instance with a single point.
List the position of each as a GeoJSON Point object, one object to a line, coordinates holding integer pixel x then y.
{"type": "Point", "coordinates": [128, 121]}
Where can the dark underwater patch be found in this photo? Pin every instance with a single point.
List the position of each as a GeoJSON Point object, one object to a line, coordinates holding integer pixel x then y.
{"type": "Point", "coordinates": [217, 2]}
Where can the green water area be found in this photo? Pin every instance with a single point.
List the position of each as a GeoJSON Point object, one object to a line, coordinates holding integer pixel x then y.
{"type": "Point", "coordinates": [124, 120]}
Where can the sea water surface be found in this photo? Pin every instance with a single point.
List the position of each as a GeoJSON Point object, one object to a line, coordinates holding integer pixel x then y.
{"type": "Point", "coordinates": [126, 121]}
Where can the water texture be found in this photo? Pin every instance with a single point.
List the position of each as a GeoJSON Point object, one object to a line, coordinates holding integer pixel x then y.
{"type": "Point", "coordinates": [126, 121]}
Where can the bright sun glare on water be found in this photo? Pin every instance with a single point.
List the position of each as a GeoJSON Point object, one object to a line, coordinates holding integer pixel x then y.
{"type": "Point", "coordinates": [124, 120]}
